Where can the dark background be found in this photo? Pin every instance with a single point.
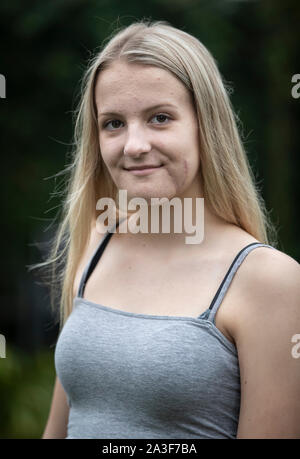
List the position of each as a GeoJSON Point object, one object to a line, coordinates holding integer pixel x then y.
{"type": "Point", "coordinates": [44, 48]}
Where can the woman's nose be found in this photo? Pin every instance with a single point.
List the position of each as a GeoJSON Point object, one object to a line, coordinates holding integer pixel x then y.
{"type": "Point", "coordinates": [136, 142]}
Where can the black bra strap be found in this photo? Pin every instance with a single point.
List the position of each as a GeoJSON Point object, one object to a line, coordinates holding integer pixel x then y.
{"type": "Point", "coordinates": [95, 258]}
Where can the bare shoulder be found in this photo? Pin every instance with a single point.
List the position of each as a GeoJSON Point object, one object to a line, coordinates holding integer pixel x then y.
{"type": "Point", "coordinates": [271, 256]}
{"type": "Point", "coordinates": [270, 282]}
{"type": "Point", "coordinates": [270, 273]}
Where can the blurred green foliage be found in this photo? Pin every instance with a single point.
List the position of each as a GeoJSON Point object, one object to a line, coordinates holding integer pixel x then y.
{"type": "Point", "coordinates": [26, 387]}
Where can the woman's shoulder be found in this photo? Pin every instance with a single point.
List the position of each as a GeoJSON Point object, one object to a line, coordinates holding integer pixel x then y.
{"type": "Point", "coordinates": [269, 280]}
{"type": "Point", "coordinates": [266, 280]}
{"type": "Point", "coordinates": [263, 262]}
{"type": "Point", "coordinates": [267, 267]}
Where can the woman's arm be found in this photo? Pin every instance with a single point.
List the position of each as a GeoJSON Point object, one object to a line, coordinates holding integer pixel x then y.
{"type": "Point", "coordinates": [270, 373]}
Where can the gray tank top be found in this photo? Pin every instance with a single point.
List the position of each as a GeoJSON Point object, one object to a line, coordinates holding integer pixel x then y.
{"type": "Point", "coordinates": [130, 375]}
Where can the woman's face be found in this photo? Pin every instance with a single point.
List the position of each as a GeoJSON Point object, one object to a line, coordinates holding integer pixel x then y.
{"type": "Point", "coordinates": [146, 118]}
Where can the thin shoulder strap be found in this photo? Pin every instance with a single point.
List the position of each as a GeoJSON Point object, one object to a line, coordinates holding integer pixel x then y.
{"type": "Point", "coordinates": [229, 276]}
{"type": "Point", "coordinates": [95, 258]}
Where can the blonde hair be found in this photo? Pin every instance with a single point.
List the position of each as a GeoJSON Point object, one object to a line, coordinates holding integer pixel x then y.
{"type": "Point", "coordinates": [228, 183]}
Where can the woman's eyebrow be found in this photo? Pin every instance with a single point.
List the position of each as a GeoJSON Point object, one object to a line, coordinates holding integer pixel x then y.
{"type": "Point", "coordinates": [148, 109]}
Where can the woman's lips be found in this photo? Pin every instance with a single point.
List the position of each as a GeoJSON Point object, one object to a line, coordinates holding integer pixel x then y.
{"type": "Point", "coordinates": [145, 171]}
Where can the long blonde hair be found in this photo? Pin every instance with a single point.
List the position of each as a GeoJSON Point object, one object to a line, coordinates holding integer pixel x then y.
{"type": "Point", "coordinates": [228, 182]}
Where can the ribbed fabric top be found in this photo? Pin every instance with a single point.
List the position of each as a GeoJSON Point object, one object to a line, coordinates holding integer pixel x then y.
{"type": "Point", "coordinates": [130, 375]}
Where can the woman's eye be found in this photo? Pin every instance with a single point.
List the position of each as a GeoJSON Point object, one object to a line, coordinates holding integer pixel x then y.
{"type": "Point", "coordinates": [115, 123]}
{"type": "Point", "coordinates": [112, 121]}
{"type": "Point", "coordinates": [161, 117]}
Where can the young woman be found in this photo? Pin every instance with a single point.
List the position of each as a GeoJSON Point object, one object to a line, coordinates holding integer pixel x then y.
{"type": "Point", "coordinates": [160, 338]}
